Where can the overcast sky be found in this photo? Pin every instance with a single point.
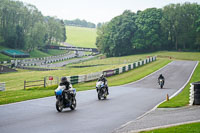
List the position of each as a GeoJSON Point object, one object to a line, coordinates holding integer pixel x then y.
{"type": "Point", "coordinates": [96, 10]}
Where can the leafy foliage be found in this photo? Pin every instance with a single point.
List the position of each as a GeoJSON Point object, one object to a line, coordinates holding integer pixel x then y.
{"type": "Point", "coordinates": [147, 36]}
{"type": "Point", "coordinates": [114, 38]}
{"type": "Point", "coordinates": [174, 27]}
{"type": "Point", "coordinates": [79, 23]}
{"type": "Point", "coordinates": [22, 26]}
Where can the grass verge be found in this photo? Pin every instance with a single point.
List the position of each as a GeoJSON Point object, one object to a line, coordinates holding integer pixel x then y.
{"type": "Point", "coordinates": [81, 37]}
{"type": "Point", "coordinates": [15, 80]}
{"type": "Point", "coordinates": [51, 52]}
{"type": "Point", "coordinates": [34, 54]}
{"type": "Point", "coordinates": [127, 77]}
{"type": "Point", "coordinates": [133, 75]}
{"type": "Point", "coordinates": [182, 99]}
{"type": "Point", "coordinates": [186, 128]}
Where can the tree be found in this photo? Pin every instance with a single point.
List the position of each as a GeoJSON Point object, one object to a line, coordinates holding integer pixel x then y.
{"type": "Point", "coordinates": [23, 26]}
{"type": "Point", "coordinates": [178, 23]}
{"type": "Point", "coordinates": [148, 34]}
{"type": "Point", "coordinates": [79, 23]}
{"type": "Point", "coordinates": [175, 27]}
{"type": "Point", "coordinates": [114, 38]}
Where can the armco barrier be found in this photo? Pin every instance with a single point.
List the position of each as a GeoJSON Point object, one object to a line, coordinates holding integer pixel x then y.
{"type": "Point", "coordinates": [94, 76]}
{"type": "Point", "coordinates": [23, 61]}
{"type": "Point", "coordinates": [117, 71]}
{"type": "Point", "coordinates": [109, 73]}
{"type": "Point", "coordinates": [74, 79]}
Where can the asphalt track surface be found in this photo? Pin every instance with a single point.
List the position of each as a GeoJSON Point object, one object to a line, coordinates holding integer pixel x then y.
{"type": "Point", "coordinates": [125, 103]}
{"type": "Point", "coordinates": [64, 63]}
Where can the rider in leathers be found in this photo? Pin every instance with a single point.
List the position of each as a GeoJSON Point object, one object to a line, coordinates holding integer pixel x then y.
{"type": "Point", "coordinates": [104, 80]}
{"type": "Point", "coordinates": [67, 84]}
{"type": "Point", "coordinates": [161, 77]}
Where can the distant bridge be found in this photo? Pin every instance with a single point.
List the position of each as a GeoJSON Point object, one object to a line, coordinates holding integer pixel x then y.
{"type": "Point", "coordinates": [71, 48]}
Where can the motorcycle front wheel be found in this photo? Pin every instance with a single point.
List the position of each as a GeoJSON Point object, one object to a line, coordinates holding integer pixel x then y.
{"type": "Point", "coordinates": [99, 96]}
{"type": "Point", "coordinates": [73, 106]}
{"type": "Point", "coordinates": [59, 106]}
{"type": "Point", "coordinates": [161, 85]}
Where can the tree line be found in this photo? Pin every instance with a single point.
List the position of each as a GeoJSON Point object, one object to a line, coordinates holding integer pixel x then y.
{"type": "Point", "coordinates": [22, 26]}
{"type": "Point", "coordinates": [79, 23]}
{"type": "Point", "coordinates": [174, 27]}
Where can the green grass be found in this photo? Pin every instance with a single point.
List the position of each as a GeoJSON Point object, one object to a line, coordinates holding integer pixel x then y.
{"type": "Point", "coordinates": [182, 99]}
{"type": "Point", "coordinates": [81, 37]}
{"type": "Point", "coordinates": [38, 53]}
{"type": "Point", "coordinates": [21, 95]}
{"type": "Point", "coordinates": [186, 128]}
{"type": "Point", "coordinates": [33, 54]}
{"type": "Point", "coordinates": [53, 52]}
{"type": "Point", "coordinates": [11, 96]}
{"type": "Point", "coordinates": [127, 76]}
{"type": "Point", "coordinates": [4, 57]}
{"type": "Point", "coordinates": [14, 81]}
{"type": "Point", "coordinates": [179, 55]}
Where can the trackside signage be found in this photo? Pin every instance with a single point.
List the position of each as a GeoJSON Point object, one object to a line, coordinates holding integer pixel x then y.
{"type": "Point", "coordinates": [109, 73]}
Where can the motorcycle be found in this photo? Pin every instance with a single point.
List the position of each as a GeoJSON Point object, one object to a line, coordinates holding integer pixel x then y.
{"type": "Point", "coordinates": [65, 98]}
{"type": "Point", "coordinates": [101, 90]}
{"type": "Point", "coordinates": [161, 83]}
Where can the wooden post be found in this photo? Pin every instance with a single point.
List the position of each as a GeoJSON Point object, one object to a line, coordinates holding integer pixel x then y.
{"type": "Point", "coordinates": [24, 84]}
{"type": "Point", "coordinates": [167, 97]}
{"type": "Point", "coordinates": [44, 82]}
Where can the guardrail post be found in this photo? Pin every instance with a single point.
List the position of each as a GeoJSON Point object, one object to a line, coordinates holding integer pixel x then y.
{"type": "Point", "coordinates": [24, 84]}
{"type": "Point", "coordinates": [44, 82]}
{"type": "Point", "coordinates": [191, 102]}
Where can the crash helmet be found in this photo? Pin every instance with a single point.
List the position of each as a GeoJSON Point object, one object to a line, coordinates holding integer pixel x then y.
{"type": "Point", "coordinates": [63, 79]}
{"type": "Point", "coordinates": [101, 76]}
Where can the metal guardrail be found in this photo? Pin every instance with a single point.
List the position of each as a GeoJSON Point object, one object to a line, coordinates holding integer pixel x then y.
{"type": "Point", "coordinates": [2, 86]}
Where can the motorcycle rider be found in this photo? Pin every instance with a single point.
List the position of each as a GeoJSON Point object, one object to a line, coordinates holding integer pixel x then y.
{"type": "Point", "coordinates": [104, 80]}
{"type": "Point", "coordinates": [161, 77]}
{"type": "Point", "coordinates": [67, 84]}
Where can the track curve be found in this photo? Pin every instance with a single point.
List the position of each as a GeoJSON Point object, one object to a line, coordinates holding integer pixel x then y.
{"type": "Point", "coordinates": [125, 103]}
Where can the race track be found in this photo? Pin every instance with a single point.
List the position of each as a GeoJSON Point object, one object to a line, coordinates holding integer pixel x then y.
{"type": "Point", "coordinates": [125, 103]}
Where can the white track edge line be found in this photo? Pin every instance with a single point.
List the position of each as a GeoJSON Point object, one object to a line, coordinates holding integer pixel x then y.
{"type": "Point", "coordinates": [163, 100]}
{"type": "Point", "coordinates": [91, 90]}
{"type": "Point", "coordinates": [148, 75]}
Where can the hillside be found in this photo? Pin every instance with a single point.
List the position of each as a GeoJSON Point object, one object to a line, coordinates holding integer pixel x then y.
{"type": "Point", "coordinates": [81, 37]}
{"type": "Point", "coordinates": [33, 54]}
